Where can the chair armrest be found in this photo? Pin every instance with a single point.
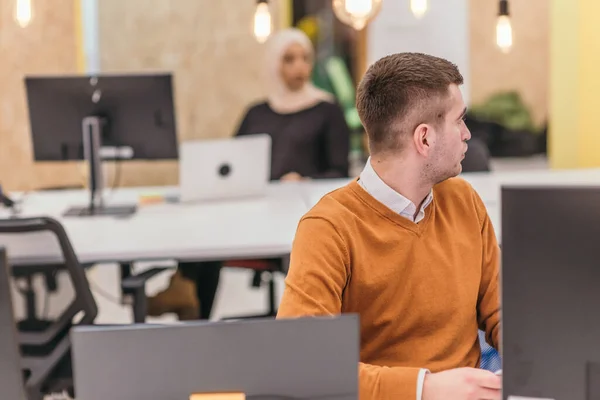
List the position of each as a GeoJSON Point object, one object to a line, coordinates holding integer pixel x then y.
{"type": "Point", "coordinates": [135, 286]}
{"type": "Point", "coordinates": [138, 281]}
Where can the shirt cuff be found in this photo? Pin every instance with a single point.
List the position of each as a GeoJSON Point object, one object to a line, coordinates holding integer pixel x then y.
{"type": "Point", "coordinates": [421, 382]}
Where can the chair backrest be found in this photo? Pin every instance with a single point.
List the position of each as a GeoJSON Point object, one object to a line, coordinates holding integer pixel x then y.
{"type": "Point", "coordinates": [43, 241]}
{"type": "Point", "coordinates": [477, 158]}
{"type": "Point", "coordinates": [36, 243]}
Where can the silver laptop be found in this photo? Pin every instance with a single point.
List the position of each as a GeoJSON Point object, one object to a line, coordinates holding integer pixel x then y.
{"type": "Point", "coordinates": [305, 358]}
{"type": "Point", "coordinates": [224, 169]}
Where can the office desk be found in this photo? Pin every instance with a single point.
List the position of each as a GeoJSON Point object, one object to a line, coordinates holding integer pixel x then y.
{"type": "Point", "coordinates": [487, 184]}
{"type": "Point", "coordinates": [249, 228]}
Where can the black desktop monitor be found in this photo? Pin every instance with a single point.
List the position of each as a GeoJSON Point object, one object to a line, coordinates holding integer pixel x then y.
{"type": "Point", "coordinates": [100, 117]}
{"type": "Point", "coordinates": [11, 376]}
{"type": "Point", "coordinates": [551, 292]}
{"type": "Point", "coordinates": [136, 113]}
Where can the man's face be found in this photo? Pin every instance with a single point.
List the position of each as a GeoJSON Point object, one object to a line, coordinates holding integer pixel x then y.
{"type": "Point", "coordinates": [450, 144]}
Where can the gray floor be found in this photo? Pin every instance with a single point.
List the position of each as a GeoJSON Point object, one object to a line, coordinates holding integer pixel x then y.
{"type": "Point", "coordinates": [235, 295]}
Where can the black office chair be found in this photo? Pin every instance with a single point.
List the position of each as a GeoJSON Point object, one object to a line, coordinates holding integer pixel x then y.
{"type": "Point", "coordinates": [133, 289]}
{"type": "Point", "coordinates": [477, 158]}
{"type": "Point", "coordinates": [45, 345]}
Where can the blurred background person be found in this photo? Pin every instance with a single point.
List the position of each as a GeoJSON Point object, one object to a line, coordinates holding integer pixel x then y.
{"type": "Point", "coordinates": [310, 140]}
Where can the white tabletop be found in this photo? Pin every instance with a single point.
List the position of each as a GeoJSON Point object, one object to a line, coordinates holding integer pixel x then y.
{"type": "Point", "coordinates": [258, 227]}
{"type": "Point", "coordinates": [488, 185]}
{"type": "Point", "coordinates": [248, 228]}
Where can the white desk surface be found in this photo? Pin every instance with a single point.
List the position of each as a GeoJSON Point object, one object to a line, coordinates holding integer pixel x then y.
{"type": "Point", "coordinates": [488, 185]}
{"type": "Point", "coordinates": [250, 228]}
{"type": "Point", "coordinates": [259, 227]}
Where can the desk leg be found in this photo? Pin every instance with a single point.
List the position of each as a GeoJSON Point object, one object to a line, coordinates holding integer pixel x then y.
{"type": "Point", "coordinates": [140, 305]}
{"type": "Point", "coordinates": [272, 306]}
{"type": "Point", "coordinates": [125, 273]}
{"type": "Point", "coordinates": [30, 300]}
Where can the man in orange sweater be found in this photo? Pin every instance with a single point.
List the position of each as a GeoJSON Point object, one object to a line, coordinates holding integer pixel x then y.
{"type": "Point", "coordinates": [408, 246]}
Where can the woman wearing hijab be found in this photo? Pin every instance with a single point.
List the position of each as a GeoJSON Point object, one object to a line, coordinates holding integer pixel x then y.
{"type": "Point", "coordinates": [310, 140]}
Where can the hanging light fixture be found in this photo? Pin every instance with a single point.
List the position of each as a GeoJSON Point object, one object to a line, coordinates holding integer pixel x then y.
{"type": "Point", "coordinates": [356, 13]}
{"type": "Point", "coordinates": [418, 8]}
{"type": "Point", "coordinates": [262, 21]}
{"type": "Point", "coordinates": [504, 34]}
{"type": "Point", "coordinates": [23, 12]}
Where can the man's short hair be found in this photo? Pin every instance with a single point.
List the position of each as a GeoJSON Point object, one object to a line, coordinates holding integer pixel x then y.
{"type": "Point", "coordinates": [401, 91]}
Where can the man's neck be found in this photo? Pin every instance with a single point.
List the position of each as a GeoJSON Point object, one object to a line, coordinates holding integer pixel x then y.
{"type": "Point", "coordinates": [403, 179]}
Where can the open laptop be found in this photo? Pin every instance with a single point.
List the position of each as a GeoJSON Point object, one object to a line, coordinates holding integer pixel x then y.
{"type": "Point", "coordinates": [11, 376]}
{"type": "Point", "coordinates": [224, 169]}
{"type": "Point", "coordinates": [305, 358]}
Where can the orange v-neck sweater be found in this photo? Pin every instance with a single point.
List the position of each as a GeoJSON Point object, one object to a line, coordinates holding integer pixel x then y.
{"type": "Point", "coordinates": [421, 290]}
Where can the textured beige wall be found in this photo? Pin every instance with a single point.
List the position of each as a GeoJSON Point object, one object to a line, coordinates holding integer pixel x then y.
{"type": "Point", "coordinates": [47, 46]}
{"type": "Point", "coordinates": [526, 68]}
{"type": "Point", "coordinates": [217, 65]}
{"type": "Point", "coordinates": [207, 45]}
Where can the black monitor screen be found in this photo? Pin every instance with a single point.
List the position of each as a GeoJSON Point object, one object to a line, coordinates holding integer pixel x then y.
{"type": "Point", "coordinates": [551, 292]}
{"type": "Point", "coordinates": [136, 113]}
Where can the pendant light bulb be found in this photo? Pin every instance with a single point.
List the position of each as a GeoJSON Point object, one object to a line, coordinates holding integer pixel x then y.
{"type": "Point", "coordinates": [262, 21]}
{"type": "Point", "coordinates": [418, 8]}
{"type": "Point", "coordinates": [504, 34]}
{"type": "Point", "coordinates": [23, 12]}
{"type": "Point", "coordinates": [356, 13]}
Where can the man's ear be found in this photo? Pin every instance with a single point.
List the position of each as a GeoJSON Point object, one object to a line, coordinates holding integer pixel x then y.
{"type": "Point", "coordinates": [423, 139]}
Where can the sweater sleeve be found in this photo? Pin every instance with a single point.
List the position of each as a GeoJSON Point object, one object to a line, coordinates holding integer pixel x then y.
{"type": "Point", "coordinates": [336, 142]}
{"type": "Point", "coordinates": [488, 311]}
{"type": "Point", "coordinates": [319, 271]}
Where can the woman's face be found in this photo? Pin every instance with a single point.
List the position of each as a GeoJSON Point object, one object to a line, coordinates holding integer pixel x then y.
{"type": "Point", "coordinates": [296, 66]}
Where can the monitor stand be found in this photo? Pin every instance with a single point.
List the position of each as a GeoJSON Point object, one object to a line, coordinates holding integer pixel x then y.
{"type": "Point", "coordinates": [111, 211]}
{"type": "Point", "coordinates": [91, 127]}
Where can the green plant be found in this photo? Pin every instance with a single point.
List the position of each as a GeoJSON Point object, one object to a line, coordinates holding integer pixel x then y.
{"type": "Point", "coordinates": [506, 109]}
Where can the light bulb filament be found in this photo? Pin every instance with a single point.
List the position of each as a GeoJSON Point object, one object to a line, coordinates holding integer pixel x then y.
{"type": "Point", "coordinates": [356, 13]}
{"type": "Point", "coordinates": [262, 22]}
{"type": "Point", "coordinates": [359, 8]}
{"type": "Point", "coordinates": [23, 12]}
{"type": "Point", "coordinates": [418, 7]}
{"type": "Point", "coordinates": [504, 36]}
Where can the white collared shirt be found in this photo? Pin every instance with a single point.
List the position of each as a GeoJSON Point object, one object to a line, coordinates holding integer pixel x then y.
{"type": "Point", "coordinates": [376, 187]}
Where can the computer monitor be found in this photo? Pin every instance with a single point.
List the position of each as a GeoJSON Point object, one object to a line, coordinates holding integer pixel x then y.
{"type": "Point", "coordinates": [551, 292]}
{"type": "Point", "coordinates": [99, 117]}
{"type": "Point", "coordinates": [306, 358]}
{"type": "Point", "coordinates": [11, 375]}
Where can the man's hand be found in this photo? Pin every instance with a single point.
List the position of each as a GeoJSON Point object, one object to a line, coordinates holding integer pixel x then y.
{"type": "Point", "coordinates": [462, 384]}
